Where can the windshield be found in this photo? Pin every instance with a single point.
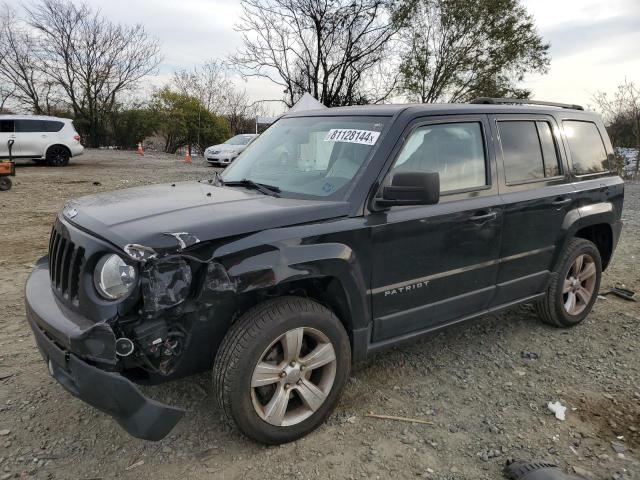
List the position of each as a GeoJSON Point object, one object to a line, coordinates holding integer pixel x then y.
{"type": "Point", "coordinates": [239, 140]}
{"type": "Point", "coordinates": [309, 156]}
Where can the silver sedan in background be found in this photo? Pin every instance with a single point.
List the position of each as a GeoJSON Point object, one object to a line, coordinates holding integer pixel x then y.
{"type": "Point", "coordinates": [225, 153]}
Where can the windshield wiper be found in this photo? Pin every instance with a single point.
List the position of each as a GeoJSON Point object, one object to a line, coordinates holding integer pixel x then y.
{"type": "Point", "coordinates": [261, 187]}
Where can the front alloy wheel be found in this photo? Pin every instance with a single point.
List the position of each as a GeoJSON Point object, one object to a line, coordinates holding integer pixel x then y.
{"type": "Point", "coordinates": [281, 368]}
{"type": "Point", "coordinates": [293, 377]}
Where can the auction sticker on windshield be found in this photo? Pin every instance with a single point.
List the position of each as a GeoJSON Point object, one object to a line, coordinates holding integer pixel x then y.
{"type": "Point", "coordinates": [364, 137]}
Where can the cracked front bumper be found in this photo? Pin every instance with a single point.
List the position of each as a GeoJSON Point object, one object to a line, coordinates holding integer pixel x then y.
{"type": "Point", "coordinates": [55, 330]}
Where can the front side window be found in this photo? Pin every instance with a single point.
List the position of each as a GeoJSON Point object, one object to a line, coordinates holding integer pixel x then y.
{"type": "Point", "coordinates": [6, 126]}
{"type": "Point", "coordinates": [309, 157]}
{"type": "Point", "coordinates": [454, 150]}
{"type": "Point", "coordinates": [528, 150]}
{"type": "Point", "coordinates": [588, 154]}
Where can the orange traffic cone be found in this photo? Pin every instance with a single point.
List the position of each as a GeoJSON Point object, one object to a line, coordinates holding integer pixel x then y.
{"type": "Point", "coordinates": [140, 150]}
{"type": "Point", "coordinates": [187, 155]}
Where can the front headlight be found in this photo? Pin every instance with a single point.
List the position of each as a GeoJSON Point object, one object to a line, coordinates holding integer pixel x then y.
{"type": "Point", "coordinates": [114, 278]}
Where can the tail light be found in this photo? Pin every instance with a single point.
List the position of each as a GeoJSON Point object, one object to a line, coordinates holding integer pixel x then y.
{"type": "Point", "coordinates": [76, 138]}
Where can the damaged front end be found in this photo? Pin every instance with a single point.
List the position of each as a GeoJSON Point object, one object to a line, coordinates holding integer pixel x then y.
{"type": "Point", "coordinates": [161, 337]}
{"type": "Point", "coordinates": [104, 320]}
{"type": "Point", "coordinates": [81, 356]}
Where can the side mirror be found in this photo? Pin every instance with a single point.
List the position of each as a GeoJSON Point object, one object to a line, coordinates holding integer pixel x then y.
{"type": "Point", "coordinates": [411, 188]}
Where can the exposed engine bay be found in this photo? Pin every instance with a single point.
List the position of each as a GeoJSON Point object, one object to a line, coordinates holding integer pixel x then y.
{"type": "Point", "coordinates": [155, 337]}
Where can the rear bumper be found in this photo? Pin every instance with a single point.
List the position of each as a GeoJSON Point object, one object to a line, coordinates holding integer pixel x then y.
{"type": "Point", "coordinates": [107, 391]}
{"type": "Point", "coordinates": [76, 150]}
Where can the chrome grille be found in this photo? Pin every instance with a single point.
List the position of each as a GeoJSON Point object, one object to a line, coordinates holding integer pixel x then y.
{"type": "Point", "coordinates": [65, 264]}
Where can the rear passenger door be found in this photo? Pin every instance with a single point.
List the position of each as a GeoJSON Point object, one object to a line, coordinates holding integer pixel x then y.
{"type": "Point", "coordinates": [535, 186]}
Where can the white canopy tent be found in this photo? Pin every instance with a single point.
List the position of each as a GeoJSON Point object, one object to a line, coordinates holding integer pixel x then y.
{"type": "Point", "coordinates": [306, 102]}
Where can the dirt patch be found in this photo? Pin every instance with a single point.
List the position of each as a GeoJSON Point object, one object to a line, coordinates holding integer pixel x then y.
{"type": "Point", "coordinates": [485, 401]}
{"type": "Point", "coordinates": [613, 417]}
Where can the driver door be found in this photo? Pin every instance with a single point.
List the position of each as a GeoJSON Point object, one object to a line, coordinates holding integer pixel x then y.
{"type": "Point", "coordinates": [437, 264]}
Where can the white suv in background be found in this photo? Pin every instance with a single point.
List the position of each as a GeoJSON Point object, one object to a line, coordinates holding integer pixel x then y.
{"type": "Point", "coordinates": [43, 139]}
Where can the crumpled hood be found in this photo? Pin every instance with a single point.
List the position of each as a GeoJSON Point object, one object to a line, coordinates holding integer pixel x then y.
{"type": "Point", "coordinates": [152, 215]}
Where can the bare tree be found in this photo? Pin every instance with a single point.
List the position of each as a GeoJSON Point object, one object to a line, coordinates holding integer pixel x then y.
{"type": "Point", "coordinates": [209, 83]}
{"type": "Point", "coordinates": [621, 112]}
{"type": "Point", "coordinates": [6, 92]}
{"type": "Point", "coordinates": [20, 66]}
{"type": "Point", "coordinates": [324, 47]}
{"type": "Point", "coordinates": [91, 59]}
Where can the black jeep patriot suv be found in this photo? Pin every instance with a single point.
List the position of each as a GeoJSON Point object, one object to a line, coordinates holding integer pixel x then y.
{"type": "Point", "coordinates": [334, 235]}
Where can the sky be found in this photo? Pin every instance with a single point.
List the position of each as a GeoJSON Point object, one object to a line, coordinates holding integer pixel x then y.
{"type": "Point", "coordinates": [595, 45]}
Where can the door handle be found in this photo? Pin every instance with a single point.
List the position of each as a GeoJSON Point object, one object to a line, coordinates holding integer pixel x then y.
{"type": "Point", "coordinates": [483, 216]}
{"type": "Point", "coordinates": [561, 201]}
{"type": "Point", "coordinates": [43, 136]}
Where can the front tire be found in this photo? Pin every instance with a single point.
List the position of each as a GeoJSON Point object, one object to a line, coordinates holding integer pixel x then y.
{"type": "Point", "coordinates": [574, 285]}
{"type": "Point", "coordinates": [281, 368]}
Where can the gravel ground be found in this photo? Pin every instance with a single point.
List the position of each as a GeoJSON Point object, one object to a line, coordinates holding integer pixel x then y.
{"type": "Point", "coordinates": [486, 403]}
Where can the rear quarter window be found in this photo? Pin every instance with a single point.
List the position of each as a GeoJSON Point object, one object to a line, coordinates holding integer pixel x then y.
{"type": "Point", "coordinates": [52, 126]}
{"type": "Point", "coordinates": [588, 154]}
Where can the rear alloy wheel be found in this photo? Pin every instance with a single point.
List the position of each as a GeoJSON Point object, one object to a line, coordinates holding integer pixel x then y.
{"type": "Point", "coordinates": [574, 285]}
{"type": "Point", "coordinates": [578, 286]}
{"type": "Point", "coordinates": [281, 368]}
{"type": "Point", "coordinates": [58, 156]}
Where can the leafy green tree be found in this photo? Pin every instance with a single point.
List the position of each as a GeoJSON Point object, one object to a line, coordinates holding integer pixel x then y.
{"type": "Point", "coordinates": [132, 125]}
{"type": "Point", "coordinates": [184, 120]}
{"type": "Point", "coordinates": [455, 50]}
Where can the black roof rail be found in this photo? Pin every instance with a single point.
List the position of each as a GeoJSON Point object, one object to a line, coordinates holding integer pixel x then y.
{"type": "Point", "coordinates": [522, 101]}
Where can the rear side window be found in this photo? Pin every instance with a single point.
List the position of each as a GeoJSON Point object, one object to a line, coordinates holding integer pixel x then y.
{"type": "Point", "coordinates": [6, 126]}
{"type": "Point", "coordinates": [454, 150]}
{"type": "Point", "coordinates": [28, 126]}
{"type": "Point", "coordinates": [528, 150]}
{"type": "Point", "coordinates": [588, 154]}
{"type": "Point", "coordinates": [37, 126]}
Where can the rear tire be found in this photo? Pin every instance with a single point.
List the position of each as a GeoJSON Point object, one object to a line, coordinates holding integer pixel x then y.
{"type": "Point", "coordinates": [574, 285]}
{"type": "Point", "coordinates": [58, 156]}
{"type": "Point", "coordinates": [281, 368]}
